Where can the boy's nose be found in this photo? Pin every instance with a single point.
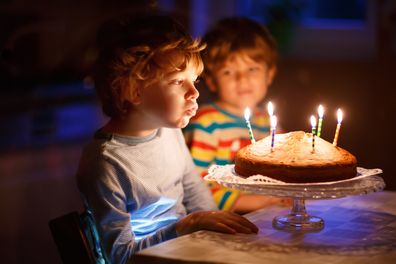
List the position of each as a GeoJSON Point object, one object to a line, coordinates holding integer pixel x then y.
{"type": "Point", "coordinates": [240, 77]}
{"type": "Point", "coordinates": [192, 92]}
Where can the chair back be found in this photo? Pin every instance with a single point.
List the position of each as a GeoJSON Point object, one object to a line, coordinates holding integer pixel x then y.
{"type": "Point", "coordinates": [74, 237]}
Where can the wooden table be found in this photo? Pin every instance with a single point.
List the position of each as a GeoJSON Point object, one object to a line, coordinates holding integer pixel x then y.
{"type": "Point", "coordinates": [358, 229]}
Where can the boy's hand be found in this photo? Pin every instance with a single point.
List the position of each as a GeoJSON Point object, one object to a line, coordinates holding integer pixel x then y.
{"type": "Point", "coordinates": [220, 221]}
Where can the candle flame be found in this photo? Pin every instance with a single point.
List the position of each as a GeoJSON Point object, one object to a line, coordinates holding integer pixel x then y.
{"type": "Point", "coordinates": [274, 121]}
{"type": "Point", "coordinates": [320, 111]}
{"type": "Point", "coordinates": [313, 121]}
{"type": "Point", "coordinates": [339, 116]}
{"type": "Point", "coordinates": [270, 108]}
{"type": "Point", "coordinates": [247, 113]}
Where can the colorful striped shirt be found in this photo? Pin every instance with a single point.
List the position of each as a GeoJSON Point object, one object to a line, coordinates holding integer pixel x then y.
{"type": "Point", "coordinates": [214, 136]}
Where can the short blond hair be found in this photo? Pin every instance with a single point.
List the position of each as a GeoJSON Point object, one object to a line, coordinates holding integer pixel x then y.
{"type": "Point", "coordinates": [238, 36]}
{"type": "Point", "coordinates": [140, 51]}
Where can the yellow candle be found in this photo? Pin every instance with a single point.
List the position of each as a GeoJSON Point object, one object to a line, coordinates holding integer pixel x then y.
{"type": "Point", "coordinates": [337, 132]}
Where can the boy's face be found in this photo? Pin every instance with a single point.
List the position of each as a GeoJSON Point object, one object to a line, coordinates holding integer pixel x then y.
{"type": "Point", "coordinates": [241, 82]}
{"type": "Point", "coordinates": [171, 101]}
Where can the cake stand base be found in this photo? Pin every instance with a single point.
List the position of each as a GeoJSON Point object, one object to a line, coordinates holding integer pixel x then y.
{"type": "Point", "coordinates": [298, 219]}
{"type": "Point", "coordinates": [366, 181]}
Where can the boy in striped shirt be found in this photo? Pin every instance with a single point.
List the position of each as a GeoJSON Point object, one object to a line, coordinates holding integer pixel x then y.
{"type": "Point", "coordinates": [240, 64]}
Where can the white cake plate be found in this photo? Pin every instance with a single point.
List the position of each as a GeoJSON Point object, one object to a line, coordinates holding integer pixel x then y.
{"type": "Point", "coordinates": [366, 181]}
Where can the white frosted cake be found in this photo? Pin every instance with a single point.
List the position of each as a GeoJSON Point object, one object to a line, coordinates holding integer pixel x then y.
{"type": "Point", "coordinates": [292, 159]}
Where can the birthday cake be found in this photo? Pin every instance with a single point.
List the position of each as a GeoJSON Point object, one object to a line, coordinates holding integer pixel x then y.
{"type": "Point", "coordinates": [294, 160]}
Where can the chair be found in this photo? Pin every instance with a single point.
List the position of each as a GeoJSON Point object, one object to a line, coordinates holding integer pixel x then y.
{"type": "Point", "coordinates": [76, 238]}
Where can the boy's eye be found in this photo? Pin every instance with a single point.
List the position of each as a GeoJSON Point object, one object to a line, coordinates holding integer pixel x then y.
{"type": "Point", "coordinates": [253, 69]}
{"type": "Point", "coordinates": [226, 72]}
{"type": "Point", "coordinates": [176, 82]}
{"type": "Point", "coordinates": [197, 81]}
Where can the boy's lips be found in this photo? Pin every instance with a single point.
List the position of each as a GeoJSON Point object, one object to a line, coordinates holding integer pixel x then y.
{"type": "Point", "coordinates": [242, 93]}
{"type": "Point", "coordinates": [192, 110]}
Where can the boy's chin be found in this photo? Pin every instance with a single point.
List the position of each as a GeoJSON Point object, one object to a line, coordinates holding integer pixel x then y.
{"type": "Point", "coordinates": [184, 122]}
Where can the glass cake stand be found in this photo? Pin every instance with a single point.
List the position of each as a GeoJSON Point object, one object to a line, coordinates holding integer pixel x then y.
{"type": "Point", "coordinates": [366, 181]}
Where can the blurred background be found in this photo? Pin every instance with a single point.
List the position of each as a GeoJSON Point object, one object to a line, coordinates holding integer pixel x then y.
{"type": "Point", "coordinates": [339, 53]}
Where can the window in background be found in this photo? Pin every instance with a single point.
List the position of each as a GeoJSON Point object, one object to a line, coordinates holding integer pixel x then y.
{"type": "Point", "coordinates": [317, 28]}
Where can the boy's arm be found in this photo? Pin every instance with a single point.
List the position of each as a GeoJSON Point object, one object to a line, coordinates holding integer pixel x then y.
{"type": "Point", "coordinates": [203, 148]}
{"type": "Point", "coordinates": [196, 194]}
{"type": "Point", "coordinates": [107, 200]}
{"type": "Point", "coordinates": [224, 197]}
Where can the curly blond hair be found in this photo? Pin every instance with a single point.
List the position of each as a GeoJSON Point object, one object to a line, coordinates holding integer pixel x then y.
{"type": "Point", "coordinates": [140, 51]}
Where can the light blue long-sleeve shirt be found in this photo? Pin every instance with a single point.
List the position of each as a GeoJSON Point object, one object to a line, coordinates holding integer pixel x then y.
{"type": "Point", "coordinates": [138, 188]}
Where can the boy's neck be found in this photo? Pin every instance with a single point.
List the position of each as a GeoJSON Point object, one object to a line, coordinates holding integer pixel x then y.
{"type": "Point", "coordinates": [127, 127]}
{"type": "Point", "coordinates": [232, 109]}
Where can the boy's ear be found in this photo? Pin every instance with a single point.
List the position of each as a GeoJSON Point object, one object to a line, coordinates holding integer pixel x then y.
{"type": "Point", "coordinates": [271, 74]}
{"type": "Point", "coordinates": [211, 84]}
{"type": "Point", "coordinates": [134, 96]}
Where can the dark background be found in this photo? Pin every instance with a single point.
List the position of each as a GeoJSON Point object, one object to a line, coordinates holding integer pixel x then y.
{"type": "Point", "coordinates": [337, 53]}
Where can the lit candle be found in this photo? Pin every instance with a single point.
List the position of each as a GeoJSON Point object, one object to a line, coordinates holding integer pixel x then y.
{"type": "Point", "coordinates": [313, 125]}
{"type": "Point", "coordinates": [320, 114]}
{"type": "Point", "coordinates": [274, 121]}
{"type": "Point", "coordinates": [247, 117]}
{"type": "Point", "coordinates": [339, 120]}
{"type": "Point", "coordinates": [270, 108]}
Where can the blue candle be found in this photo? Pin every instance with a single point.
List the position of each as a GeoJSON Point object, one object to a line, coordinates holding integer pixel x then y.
{"type": "Point", "coordinates": [274, 121]}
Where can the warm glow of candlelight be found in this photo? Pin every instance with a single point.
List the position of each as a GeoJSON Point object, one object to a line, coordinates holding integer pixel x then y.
{"type": "Point", "coordinates": [247, 113]}
{"type": "Point", "coordinates": [273, 121]}
{"type": "Point", "coordinates": [313, 121]}
{"type": "Point", "coordinates": [270, 108]}
{"type": "Point", "coordinates": [339, 116]}
{"type": "Point", "coordinates": [320, 111]}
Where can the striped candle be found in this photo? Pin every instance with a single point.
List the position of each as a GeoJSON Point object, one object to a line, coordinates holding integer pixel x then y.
{"type": "Point", "coordinates": [337, 132]}
{"type": "Point", "coordinates": [274, 122]}
{"type": "Point", "coordinates": [313, 125]}
{"type": "Point", "coordinates": [320, 121]}
{"type": "Point", "coordinates": [247, 117]}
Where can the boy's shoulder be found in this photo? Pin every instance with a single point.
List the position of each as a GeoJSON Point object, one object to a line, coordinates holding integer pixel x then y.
{"type": "Point", "coordinates": [109, 147]}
